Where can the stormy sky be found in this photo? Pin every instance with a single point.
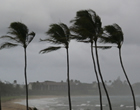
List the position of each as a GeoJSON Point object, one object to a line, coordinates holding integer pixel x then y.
{"type": "Point", "coordinates": [37, 15]}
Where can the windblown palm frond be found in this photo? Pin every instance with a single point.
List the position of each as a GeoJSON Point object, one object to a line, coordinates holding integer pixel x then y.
{"type": "Point", "coordinates": [18, 33]}
{"type": "Point", "coordinates": [87, 24]}
{"type": "Point", "coordinates": [103, 47]}
{"type": "Point", "coordinates": [58, 34]}
{"type": "Point", "coordinates": [66, 31]}
{"type": "Point", "coordinates": [113, 34]}
{"type": "Point", "coordinates": [49, 49]}
{"type": "Point", "coordinates": [49, 40]}
{"type": "Point", "coordinates": [30, 37]}
{"type": "Point", "coordinates": [7, 45]}
{"type": "Point", "coordinates": [18, 28]}
{"type": "Point", "coordinates": [10, 38]}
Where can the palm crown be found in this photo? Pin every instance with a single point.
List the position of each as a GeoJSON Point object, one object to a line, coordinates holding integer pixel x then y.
{"type": "Point", "coordinates": [113, 34]}
{"type": "Point", "coordinates": [19, 35]}
{"type": "Point", "coordinates": [58, 34]}
{"type": "Point", "coordinates": [87, 25]}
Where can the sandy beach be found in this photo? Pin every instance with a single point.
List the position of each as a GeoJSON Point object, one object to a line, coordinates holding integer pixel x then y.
{"type": "Point", "coordinates": [10, 105]}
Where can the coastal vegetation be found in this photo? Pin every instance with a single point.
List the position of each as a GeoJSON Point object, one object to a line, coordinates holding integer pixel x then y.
{"type": "Point", "coordinates": [87, 28]}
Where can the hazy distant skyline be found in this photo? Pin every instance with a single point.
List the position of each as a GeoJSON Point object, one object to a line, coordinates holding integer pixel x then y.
{"type": "Point", "coordinates": [37, 15]}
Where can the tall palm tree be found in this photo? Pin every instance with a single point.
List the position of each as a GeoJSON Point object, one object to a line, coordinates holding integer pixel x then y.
{"type": "Point", "coordinates": [113, 34]}
{"type": "Point", "coordinates": [18, 35]}
{"type": "Point", "coordinates": [87, 27]}
{"type": "Point", "coordinates": [59, 34]}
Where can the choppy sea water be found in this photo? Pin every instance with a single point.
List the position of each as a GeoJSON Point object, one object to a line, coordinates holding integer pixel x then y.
{"type": "Point", "coordinates": [83, 103]}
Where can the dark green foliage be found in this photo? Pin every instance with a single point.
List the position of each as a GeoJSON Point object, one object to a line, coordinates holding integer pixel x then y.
{"type": "Point", "coordinates": [103, 47]}
{"type": "Point", "coordinates": [18, 36]}
{"type": "Point", "coordinates": [113, 34]}
{"type": "Point", "coordinates": [58, 34]}
{"type": "Point", "coordinates": [49, 49]}
{"type": "Point", "coordinates": [87, 24]}
{"type": "Point", "coordinates": [17, 28]}
{"type": "Point", "coordinates": [7, 45]}
{"type": "Point", "coordinates": [7, 89]}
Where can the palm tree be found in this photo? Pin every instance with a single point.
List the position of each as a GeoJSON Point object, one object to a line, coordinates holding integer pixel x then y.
{"type": "Point", "coordinates": [19, 35]}
{"type": "Point", "coordinates": [113, 34]}
{"type": "Point", "coordinates": [87, 27]}
{"type": "Point", "coordinates": [59, 34]}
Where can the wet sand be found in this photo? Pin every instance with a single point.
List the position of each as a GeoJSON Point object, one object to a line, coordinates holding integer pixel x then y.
{"type": "Point", "coordinates": [10, 105]}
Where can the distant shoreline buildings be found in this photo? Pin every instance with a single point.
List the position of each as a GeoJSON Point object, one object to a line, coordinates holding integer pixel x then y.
{"type": "Point", "coordinates": [115, 87]}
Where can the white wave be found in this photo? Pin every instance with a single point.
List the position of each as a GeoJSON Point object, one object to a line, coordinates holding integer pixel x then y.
{"type": "Point", "coordinates": [122, 105]}
{"type": "Point", "coordinates": [39, 103]}
{"type": "Point", "coordinates": [61, 105]}
{"type": "Point", "coordinates": [83, 104]}
{"type": "Point", "coordinates": [98, 105]}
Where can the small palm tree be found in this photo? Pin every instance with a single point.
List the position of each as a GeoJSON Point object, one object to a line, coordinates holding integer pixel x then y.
{"type": "Point", "coordinates": [19, 35]}
{"type": "Point", "coordinates": [59, 34]}
{"type": "Point", "coordinates": [87, 27]}
{"type": "Point", "coordinates": [113, 34]}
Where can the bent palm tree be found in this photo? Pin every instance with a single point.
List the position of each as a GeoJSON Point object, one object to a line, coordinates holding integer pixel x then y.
{"type": "Point", "coordinates": [87, 27]}
{"type": "Point", "coordinates": [19, 36]}
{"type": "Point", "coordinates": [59, 34]}
{"type": "Point", "coordinates": [113, 34]}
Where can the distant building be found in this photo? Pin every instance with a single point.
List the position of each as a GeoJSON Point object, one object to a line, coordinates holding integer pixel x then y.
{"type": "Point", "coordinates": [61, 86]}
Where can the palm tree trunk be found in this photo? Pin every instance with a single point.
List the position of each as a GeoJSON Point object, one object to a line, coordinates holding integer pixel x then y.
{"type": "Point", "coordinates": [100, 94]}
{"type": "Point", "coordinates": [98, 65]}
{"type": "Point", "coordinates": [134, 101]}
{"type": "Point", "coordinates": [25, 68]}
{"type": "Point", "coordinates": [68, 80]}
{"type": "Point", "coordinates": [0, 102]}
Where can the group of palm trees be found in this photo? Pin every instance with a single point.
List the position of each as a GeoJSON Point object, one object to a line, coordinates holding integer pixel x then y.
{"type": "Point", "coordinates": [86, 27]}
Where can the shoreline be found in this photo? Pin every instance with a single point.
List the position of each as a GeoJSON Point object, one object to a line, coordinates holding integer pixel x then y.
{"type": "Point", "coordinates": [11, 105]}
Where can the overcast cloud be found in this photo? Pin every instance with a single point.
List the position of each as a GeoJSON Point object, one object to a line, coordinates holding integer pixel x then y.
{"type": "Point", "coordinates": [39, 14]}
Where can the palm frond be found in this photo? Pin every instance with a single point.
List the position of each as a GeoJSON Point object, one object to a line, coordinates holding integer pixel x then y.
{"type": "Point", "coordinates": [66, 30]}
{"type": "Point", "coordinates": [103, 47]}
{"type": "Point", "coordinates": [13, 39]}
{"type": "Point", "coordinates": [20, 28]}
{"type": "Point", "coordinates": [59, 33]}
{"type": "Point", "coordinates": [7, 45]}
{"type": "Point", "coordinates": [87, 24]}
{"type": "Point", "coordinates": [20, 31]}
{"type": "Point", "coordinates": [113, 34]}
{"type": "Point", "coordinates": [30, 37]}
{"type": "Point", "coordinates": [50, 41]}
{"type": "Point", "coordinates": [49, 49]}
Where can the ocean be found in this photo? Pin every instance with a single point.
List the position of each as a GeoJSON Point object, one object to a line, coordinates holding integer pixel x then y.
{"type": "Point", "coordinates": [83, 103]}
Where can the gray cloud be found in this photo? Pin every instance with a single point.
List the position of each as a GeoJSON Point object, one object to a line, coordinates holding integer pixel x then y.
{"type": "Point", "coordinates": [38, 15]}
